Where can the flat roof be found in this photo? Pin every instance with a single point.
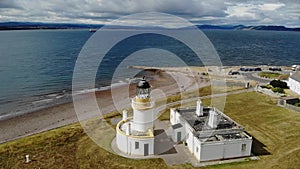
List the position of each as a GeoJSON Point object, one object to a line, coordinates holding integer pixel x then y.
{"type": "Point", "coordinates": [227, 129]}
{"type": "Point", "coordinates": [176, 126]}
{"type": "Point", "coordinates": [224, 136]}
{"type": "Point", "coordinates": [200, 123]}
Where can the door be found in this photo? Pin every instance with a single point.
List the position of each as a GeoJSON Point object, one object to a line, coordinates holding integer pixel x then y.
{"type": "Point", "coordinates": [178, 136]}
{"type": "Point", "coordinates": [146, 149]}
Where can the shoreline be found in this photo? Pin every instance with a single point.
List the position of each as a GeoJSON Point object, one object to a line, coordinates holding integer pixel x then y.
{"type": "Point", "coordinates": [55, 99]}
{"type": "Point", "coordinates": [165, 80]}
{"type": "Point", "coordinates": [58, 98]}
{"type": "Point", "coordinates": [55, 116]}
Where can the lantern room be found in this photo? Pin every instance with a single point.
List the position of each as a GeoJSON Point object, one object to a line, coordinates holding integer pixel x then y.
{"type": "Point", "coordinates": [143, 89]}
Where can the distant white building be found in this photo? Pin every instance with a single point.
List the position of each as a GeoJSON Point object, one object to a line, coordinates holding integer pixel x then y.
{"type": "Point", "coordinates": [209, 134]}
{"type": "Point", "coordinates": [135, 134]}
{"type": "Point", "coordinates": [295, 67]}
{"type": "Point", "coordinates": [294, 82]}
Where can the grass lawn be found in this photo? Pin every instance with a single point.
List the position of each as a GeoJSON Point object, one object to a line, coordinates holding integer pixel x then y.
{"type": "Point", "coordinates": [274, 75]}
{"type": "Point", "coordinates": [69, 147]}
{"type": "Point", "coordinates": [275, 128]}
{"type": "Point", "coordinates": [204, 91]}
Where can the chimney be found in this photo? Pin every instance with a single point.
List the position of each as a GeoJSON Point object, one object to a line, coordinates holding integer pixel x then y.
{"type": "Point", "coordinates": [213, 118]}
{"type": "Point", "coordinates": [128, 129]}
{"type": "Point", "coordinates": [199, 109]}
{"type": "Point", "coordinates": [125, 113]}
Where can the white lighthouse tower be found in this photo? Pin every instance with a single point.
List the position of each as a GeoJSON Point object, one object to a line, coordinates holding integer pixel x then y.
{"type": "Point", "coordinates": [135, 134]}
{"type": "Point", "coordinates": [142, 108]}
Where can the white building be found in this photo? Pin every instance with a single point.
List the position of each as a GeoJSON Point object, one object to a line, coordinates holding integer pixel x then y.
{"type": "Point", "coordinates": [209, 134]}
{"type": "Point", "coordinates": [135, 134]}
{"type": "Point", "coordinates": [294, 82]}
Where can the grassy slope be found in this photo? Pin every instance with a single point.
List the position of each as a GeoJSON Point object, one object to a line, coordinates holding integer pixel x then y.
{"type": "Point", "coordinates": [275, 127]}
{"type": "Point", "coordinates": [70, 147]}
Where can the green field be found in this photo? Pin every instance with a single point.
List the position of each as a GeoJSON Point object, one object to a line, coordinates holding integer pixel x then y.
{"type": "Point", "coordinates": [275, 129]}
{"type": "Point", "coordinates": [274, 75]}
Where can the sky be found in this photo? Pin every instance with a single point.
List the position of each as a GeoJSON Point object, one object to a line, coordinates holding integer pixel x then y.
{"type": "Point", "coordinates": [214, 12]}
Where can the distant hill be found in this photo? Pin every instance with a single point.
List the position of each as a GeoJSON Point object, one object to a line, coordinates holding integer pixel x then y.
{"type": "Point", "coordinates": [225, 27]}
{"type": "Point", "coordinates": [40, 25]}
{"type": "Point", "coordinates": [273, 28]}
{"type": "Point", "coordinates": [242, 27]}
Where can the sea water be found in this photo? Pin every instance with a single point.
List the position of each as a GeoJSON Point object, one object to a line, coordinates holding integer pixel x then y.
{"type": "Point", "coordinates": [36, 66]}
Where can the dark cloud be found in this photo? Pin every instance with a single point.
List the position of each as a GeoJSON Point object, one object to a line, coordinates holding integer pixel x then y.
{"type": "Point", "coordinates": [246, 12]}
{"type": "Point", "coordinates": [9, 4]}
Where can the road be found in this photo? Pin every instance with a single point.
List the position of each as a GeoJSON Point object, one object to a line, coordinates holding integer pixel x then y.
{"type": "Point", "coordinates": [252, 76]}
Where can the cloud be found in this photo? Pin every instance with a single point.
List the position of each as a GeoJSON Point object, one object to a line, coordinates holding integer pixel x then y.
{"type": "Point", "coordinates": [270, 6]}
{"type": "Point", "coordinates": [270, 12]}
{"type": "Point", "coordinates": [9, 4]}
{"type": "Point", "coordinates": [247, 12]}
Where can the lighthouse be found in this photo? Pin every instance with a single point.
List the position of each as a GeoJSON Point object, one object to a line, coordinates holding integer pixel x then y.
{"type": "Point", "coordinates": [142, 105]}
{"type": "Point", "coordinates": [135, 134]}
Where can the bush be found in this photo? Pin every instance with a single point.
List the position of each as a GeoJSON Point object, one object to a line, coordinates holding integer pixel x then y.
{"type": "Point", "coordinates": [278, 90]}
{"type": "Point", "coordinates": [205, 74]}
{"type": "Point", "coordinates": [266, 86]}
{"type": "Point", "coordinates": [297, 104]}
{"type": "Point", "coordinates": [279, 84]}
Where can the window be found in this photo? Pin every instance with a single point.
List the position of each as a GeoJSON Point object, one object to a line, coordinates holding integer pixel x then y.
{"type": "Point", "coordinates": [137, 145]}
{"type": "Point", "coordinates": [243, 147]}
{"type": "Point", "coordinates": [197, 149]}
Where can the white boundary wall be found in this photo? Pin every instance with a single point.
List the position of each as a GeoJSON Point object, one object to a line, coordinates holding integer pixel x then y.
{"type": "Point", "coordinates": [294, 85]}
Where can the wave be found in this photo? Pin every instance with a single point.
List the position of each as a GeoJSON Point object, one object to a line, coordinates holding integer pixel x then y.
{"type": "Point", "coordinates": [40, 102]}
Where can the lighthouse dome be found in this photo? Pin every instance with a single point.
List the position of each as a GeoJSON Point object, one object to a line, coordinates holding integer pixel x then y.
{"type": "Point", "coordinates": [143, 90]}
{"type": "Point", "coordinates": [143, 84]}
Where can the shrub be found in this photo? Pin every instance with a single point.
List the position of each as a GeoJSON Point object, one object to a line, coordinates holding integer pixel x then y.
{"type": "Point", "coordinates": [204, 74]}
{"type": "Point", "coordinates": [266, 86]}
{"type": "Point", "coordinates": [297, 104]}
{"type": "Point", "coordinates": [278, 90]}
{"type": "Point", "coordinates": [278, 83]}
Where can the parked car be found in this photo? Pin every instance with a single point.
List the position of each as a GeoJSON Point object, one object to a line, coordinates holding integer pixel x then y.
{"type": "Point", "coordinates": [258, 69]}
{"type": "Point", "coordinates": [275, 68]}
{"type": "Point", "coordinates": [233, 73]}
{"type": "Point", "coordinates": [250, 69]}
